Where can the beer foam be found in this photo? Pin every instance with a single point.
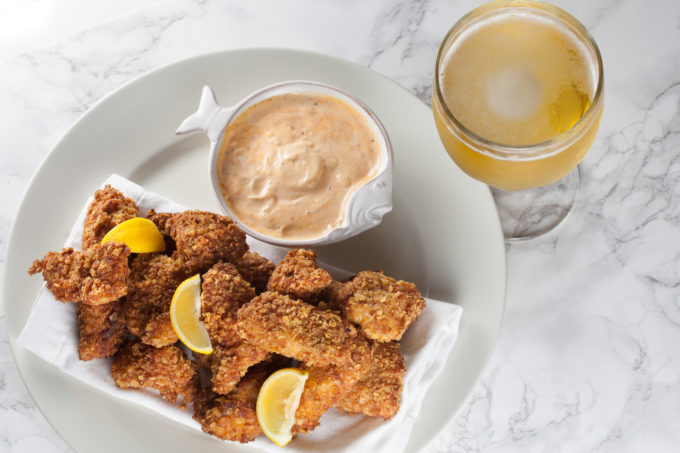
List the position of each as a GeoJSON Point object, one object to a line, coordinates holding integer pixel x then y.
{"type": "Point", "coordinates": [516, 15]}
{"type": "Point", "coordinates": [515, 93]}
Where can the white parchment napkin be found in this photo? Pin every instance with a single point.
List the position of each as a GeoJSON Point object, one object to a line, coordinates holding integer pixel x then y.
{"type": "Point", "coordinates": [52, 334]}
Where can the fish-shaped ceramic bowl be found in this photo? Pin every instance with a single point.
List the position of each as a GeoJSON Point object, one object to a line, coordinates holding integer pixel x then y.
{"type": "Point", "coordinates": [366, 206]}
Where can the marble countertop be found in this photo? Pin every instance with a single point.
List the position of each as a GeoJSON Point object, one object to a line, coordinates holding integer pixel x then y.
{"type": "Point", "coordinates": [588, 357]}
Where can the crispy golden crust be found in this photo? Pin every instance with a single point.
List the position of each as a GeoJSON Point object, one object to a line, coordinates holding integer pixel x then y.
{"type": "Point", "coordinates": [298, 330]}
{"type": "Point", "coordinates": [204, 238]}
{"type": "Point", "coordinates": [164, 369]}
{"type": "Point", "coordinates": [162, 221]}
{"type": "Point", "coordinates": [233, 416]}
{"type": "Point", "coordinates": [333, 297]}
{"type": "Point", "coordinates": [109, 208]}
{"type": "Point", "coordinates": [223, 292]}
{"type": "Point", "coordinates": [382, 306]}
{"type": "Point", "coordinates": [101, 330]}
{"type": "Point", "coordinates": [152, 283]}
{"type": "Point", "coordinates": [255, 269]}
{"type": "Point", "coordinates": [298, 277]}
{"type": "Point", "coordinates": [96, 276]}
{"type": "Point", "coordinates": [378, 393]}
{"type": "Point", "coordinates": [229, 363]}
{"type": "Point", "coordinates": [158, 332]}
{"type": "Point", "coordinates": [325, 386]}
{"type": "Point", "coordinates": [101, 327]}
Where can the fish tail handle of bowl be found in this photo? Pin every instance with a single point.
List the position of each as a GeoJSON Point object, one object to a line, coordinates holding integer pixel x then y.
{"type": "Point", "coordinates": [209, 118]}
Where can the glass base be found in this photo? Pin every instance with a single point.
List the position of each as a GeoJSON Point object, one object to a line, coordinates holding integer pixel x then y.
{"type": "Point", "coordinates": [529, 213]}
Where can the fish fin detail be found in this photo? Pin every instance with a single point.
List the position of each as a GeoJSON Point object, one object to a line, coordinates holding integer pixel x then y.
{"type": "Point", "coordinates": [205, 118]}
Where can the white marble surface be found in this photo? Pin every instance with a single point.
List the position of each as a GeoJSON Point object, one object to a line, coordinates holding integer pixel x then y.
{"type": "Point", "coordinates": [29, 24]}
{"type": "Point", "coordinates": [588, 358]}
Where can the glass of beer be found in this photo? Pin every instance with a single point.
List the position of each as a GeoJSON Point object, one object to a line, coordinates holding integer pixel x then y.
{"type": "Point", "coordinates": [517, 99]}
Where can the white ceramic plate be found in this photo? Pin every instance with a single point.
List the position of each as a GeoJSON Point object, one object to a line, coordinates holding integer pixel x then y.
{"type": "Point", "coordinates": [443, 233]}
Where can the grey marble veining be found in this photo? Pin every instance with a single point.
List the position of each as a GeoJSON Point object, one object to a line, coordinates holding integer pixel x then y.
{"type": "Point", "coordinates": [588, 358]}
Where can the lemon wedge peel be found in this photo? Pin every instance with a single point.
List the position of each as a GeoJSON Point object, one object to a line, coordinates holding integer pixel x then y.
{"type": "Point", "coordinates": [138, 233]}
{"type": "Point", "coordinates": [277, 402]}
{"type": "Point", "coordinates": [185, 310]}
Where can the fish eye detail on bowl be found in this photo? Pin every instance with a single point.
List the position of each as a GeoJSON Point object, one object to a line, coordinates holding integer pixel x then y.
{"type": "Point", "coordinates": [298, 163]}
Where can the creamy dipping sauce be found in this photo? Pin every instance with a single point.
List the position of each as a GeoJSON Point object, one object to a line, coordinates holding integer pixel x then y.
{"type": "Point", "coordinates": [289, 164]}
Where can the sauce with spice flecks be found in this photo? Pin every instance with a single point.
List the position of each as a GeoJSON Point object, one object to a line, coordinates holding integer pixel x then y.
{"type": "Point", "coordinates": [288, 165]}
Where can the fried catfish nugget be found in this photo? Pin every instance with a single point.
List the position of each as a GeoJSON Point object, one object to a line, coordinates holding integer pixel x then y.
{"type": "Point", "coordinates": [255, 269]}
{"type": "Point", "coordinates": [223, 292]}
{"type": "Point", "coordinates": [333, 297]}
{"type": "Point", "coordinates": [297, 276]}
{"type": "Point", "coordinates": [95, 276]}
{"type": "Point", "coordinates": [295, 329]}
{"type": "Point", "coordinates": [162, 222]}
{"type": "Point", "coordinates": [228, 364]}
{"type": "Point", "coordinates": [101, 330]}
{"type": "Point", "coordinates": [378, 392]}
{"type": "Point", "coordinates": [165, 369]}
{"type": "Point", "coordinates": [233, 416]}
{"type": "Point", "coordinates": [204, 238]}
{"type": "Point", "coordinates": [325, 386]}
{"type": "Point", "coordinates": [101, 327]}
{"type": "Point", "coordinates": [382, 306]}
{"type": "Point", "coordinates": [108, 208]}
{"type": "Point", "coordinates": [152, 283]}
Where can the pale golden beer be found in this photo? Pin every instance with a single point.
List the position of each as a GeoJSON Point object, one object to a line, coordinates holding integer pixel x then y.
{"type": "Point", "coordinates": [517, 96]}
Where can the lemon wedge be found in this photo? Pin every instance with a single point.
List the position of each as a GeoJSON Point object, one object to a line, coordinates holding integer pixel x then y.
{"type": "Point", "coordinates": [140, 234]}
{"type": "Point", "coordinates": [185, 310]}
{"type": "Point", "coordinates": [277, 402]}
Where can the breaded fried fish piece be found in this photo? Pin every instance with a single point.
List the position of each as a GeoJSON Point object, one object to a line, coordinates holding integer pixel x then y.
{"type": "Point", "coordinates": [333, 297]}
{"type": "Point", "coordinates": [158, 331]}
{"type": "Point", "coordinates": [382, 306]}
{"type": "Point", "coordinates": [229, 363]}
{"type": "Point", "coordinates": [298, 330]}
{"type": "Point", "coordinates": [233, 416]}
{"type": "Point", "coordinates": [298, 277]}
{"type": "Point", "coordinates": [378, 392]}
{"type": "Point", "coordinates": [325, 386]}
{"type": "Point", "coordinates": [101, 327]}
{"type": "Point", "coordinates": [95, 276]}
{"type": "Point", "coordinates": [223, 292]}
{"type": "Point", "coordinates": [101, 330]}
{"type": "Point", "coordinates": [162, 222]}
{"type": "Point", "coordinates": [152, 283]}
{"type": "Point", "coordinates": [108, 208]}
{"type": "Point", "coordinates": [204, 238]}
{"type": "Point", "coordinates": [165, 369]}
{"type": "Point", "coordinates": [255, 269]}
